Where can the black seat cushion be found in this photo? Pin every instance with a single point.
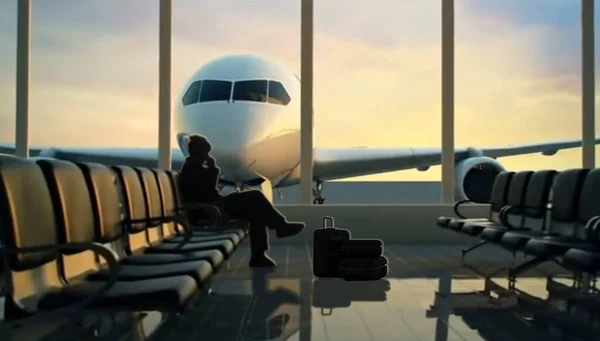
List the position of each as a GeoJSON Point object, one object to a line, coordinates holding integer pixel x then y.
{"type": "Point", "coordinates": [552, 246]}
{"type": "Point", "coordinates": [458, 225]}
{"type": "Point", "coordinates": [475, 228]}
{"type": "Point", "coordinates": [516, 240]}
{"type": "Point", "coordinates": [171, 293]}
{"type": "Point", "coordinates": [443, 221]}
{"type": "Point", "coordinates": [232, 225]}
{"type": "Point", "coordinates": [214, 257]}
{"type": "Point", "coordinates": [233, 237]}
{"type": "Point", "coordinates": [494, 232]}
{"type": "Point", "coordinates": [225, 246]}
{"type": "Point", "coordinates": [455, 224]}
{"type": "Point", "coordinates": [199, 270]}
{"type": "Point", "coordinates": [582, 260]}
{"type": "Point", "coordinates": [212, 232]}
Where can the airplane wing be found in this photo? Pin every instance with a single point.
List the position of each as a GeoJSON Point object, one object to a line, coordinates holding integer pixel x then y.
{"type": "Point", "coordinates": [136, 157]}
{"type": "Point", "coordinates": [338, 163]}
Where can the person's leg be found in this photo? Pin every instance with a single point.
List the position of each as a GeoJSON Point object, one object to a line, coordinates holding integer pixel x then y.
{"type": "Point", "coordinates": [252, 205]}
{"type": "Point", "coordinates": [255, 208]}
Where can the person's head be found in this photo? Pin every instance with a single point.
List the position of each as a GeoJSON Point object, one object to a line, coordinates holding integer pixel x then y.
{"type": "Point", "coordinates": [198, 146]}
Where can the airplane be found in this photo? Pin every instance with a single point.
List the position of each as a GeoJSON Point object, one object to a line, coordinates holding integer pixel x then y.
{"type": "Point", "coordinates": [249, 108]}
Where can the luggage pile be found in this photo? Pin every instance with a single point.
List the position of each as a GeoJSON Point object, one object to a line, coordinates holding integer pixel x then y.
{"type": "Point", "coordinates": [336, 254]}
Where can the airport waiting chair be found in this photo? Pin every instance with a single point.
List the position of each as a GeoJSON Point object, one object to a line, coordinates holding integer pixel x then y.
{"type": "Point", "coordinates": [140, 210]}
{"type": "Point", "coordinates": [497, 202]}
{"type": "Point", "coordinates": [239, 227]}
{"type": "Point", "coordinates": [159, 221]}
{"type": "Point", "coordinates": [170, 231]}
{"type": "Point", "coordinates": [515, 196]}
{"type": "Point", "coordinates": [108, 227]}
{"type": "Point", "coordinates": [38, 239]}
{"type": "Point", "coordinates": [154, 209]}
{"type": "Point", "coordinates": [565, 194]}
{"type": "Point", "coordinates": [580, 233]}
{"type": "Point", "coordinates": [137, 213]}
{"type": "Point", "coordinates": [72, 198]}
{"type": "Point", "coordinates": [510, 218]}
{"type": "Point", "coordinates": [537, 222]}
{"type": "Point", "coordinates": [98, 177]}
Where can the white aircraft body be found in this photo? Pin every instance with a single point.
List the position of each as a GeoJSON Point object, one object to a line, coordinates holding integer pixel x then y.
{"type": "Point", "coordinates": [249, 109]}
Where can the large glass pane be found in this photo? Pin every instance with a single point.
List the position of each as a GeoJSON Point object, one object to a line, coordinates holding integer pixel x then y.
{"type": "Point", "coordinates": [377, 85]}
{"type": "Point", "coordinates": [518, 78]}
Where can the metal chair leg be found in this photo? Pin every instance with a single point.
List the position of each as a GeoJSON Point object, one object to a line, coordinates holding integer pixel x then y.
{"type": "Point", "coordinates": [473, 247]}
{"type": "Point", "coordinates": [514, 272]}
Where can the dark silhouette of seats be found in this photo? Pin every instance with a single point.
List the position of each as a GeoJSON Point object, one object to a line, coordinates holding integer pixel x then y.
{"type": "Point", "coordinates": [239, 227]}
{"type": "Point", "coordinates": [497, 202]}
{"type": "Point", "coordinates": [54, 238]}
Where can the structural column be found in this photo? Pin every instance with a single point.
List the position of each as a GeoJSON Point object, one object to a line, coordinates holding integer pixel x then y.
{"type": "Point", "coordinates": [23, 62]}
{"type": "Point", "coordinates": [588, 92]}
{"type": "Point", "coordinates": [306, 102]}
{"type": "Point", "coordinates": [447, 102]}
{"type": "Point", "coordinates": [164, 84]}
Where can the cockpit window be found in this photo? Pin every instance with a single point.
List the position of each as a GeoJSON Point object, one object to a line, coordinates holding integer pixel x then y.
{"type": "Point", "coordinates": [192, 93]}
{"type": "Point", "coordinates": [277, 94]}
{"type": "Point", "coordinates": [213, 90]}
{"type": "Point", "coordinates": [254, 91]}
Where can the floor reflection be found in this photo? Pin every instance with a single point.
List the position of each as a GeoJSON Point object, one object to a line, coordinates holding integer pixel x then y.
{"type": "Point", "coordinates": [427, 296]}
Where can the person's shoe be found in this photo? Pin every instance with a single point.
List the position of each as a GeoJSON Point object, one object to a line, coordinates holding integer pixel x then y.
{"type": "Point", "coordinates": [289, 229]}
{"type": "Point", "coordinates": [261, 261]}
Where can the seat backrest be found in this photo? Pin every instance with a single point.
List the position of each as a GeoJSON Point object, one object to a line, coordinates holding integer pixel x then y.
{"type": "Point", "coordinates": [588, 203]}
{"type": "Point", "coordinates": [499, 192]}
{"type": "Point", "coordinates": [565, 200]}
{"type": "Point", "coordinates": [167, 198]}
{"type": "Point", "coordinates": [27, 219]}
{"type": "Point", "coordinates": [135, 206]}
{"type": "Point", "coordinates": [152, 202]}
{"type": "Point", "coordinates": [106, 201]}
{"type": "Point", "coordinates": [537, 196]}
{"type": "Point", "coordinates": [74, 211]}
{"type": "Point", "coordinates": [516, 196]}
{"type": "Point", "coordinates": [174, 177]}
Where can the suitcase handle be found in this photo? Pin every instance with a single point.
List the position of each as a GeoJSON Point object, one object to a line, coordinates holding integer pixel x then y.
{"type": "Point", "coordinates": [328, 219]}
{"type": "Point", "coordinates": [323, 313]}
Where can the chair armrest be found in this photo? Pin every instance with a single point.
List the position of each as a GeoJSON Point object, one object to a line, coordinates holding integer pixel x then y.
{"type": "Point", "coordinates": [592, 229]}
{"type": "Point", "coordinates": [99, 249]}
{"type": "Point", "coordinates": [184, 222]}
{"type": "Point", "coordinates": [505, 211]}
{"type": "Point", "coordinates": [458, 204]}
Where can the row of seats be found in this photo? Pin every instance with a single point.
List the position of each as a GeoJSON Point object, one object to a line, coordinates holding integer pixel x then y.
{"type": "Point", "coordinates": [552, 216]}
{"type": "Point", "coordinates": [89, 236]}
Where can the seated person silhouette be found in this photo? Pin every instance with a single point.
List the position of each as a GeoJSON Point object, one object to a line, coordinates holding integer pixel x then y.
{"type": "Point", "coordinates": [198, 182]}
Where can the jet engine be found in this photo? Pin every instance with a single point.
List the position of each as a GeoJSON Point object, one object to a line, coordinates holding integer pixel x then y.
{"type": "Point", "coordinates": [474, 178]}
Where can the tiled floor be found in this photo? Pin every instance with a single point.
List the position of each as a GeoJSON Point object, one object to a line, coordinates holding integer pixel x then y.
{"type": "Point", "coordinates": [427, 295]}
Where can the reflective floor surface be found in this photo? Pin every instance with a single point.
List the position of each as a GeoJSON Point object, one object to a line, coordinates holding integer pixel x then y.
{"type": "Point", "coordinates": [428, 295]}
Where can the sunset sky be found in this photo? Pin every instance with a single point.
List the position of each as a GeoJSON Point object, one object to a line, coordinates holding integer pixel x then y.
{"type": "Point", "coordinates": [377, 70]}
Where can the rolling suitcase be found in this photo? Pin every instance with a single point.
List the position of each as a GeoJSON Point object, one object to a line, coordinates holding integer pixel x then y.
{"type": "Point", "coordinates": [362, 248]}
{"type": "Point", "coordinates": [363, 269]}
{"type": "Point", "coordinates": [326, 248]}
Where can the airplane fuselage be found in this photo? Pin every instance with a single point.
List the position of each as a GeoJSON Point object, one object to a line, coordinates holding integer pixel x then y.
{"type": "Point", "coordinates": [255, 135]}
